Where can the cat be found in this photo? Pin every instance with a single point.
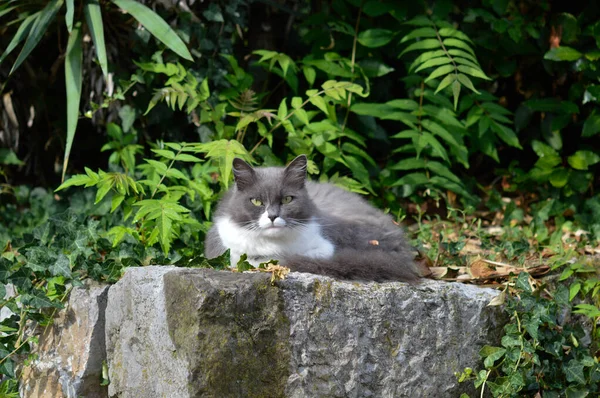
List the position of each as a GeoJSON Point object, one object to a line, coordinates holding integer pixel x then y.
{"type": "Point", "coordinates": [275, 213]}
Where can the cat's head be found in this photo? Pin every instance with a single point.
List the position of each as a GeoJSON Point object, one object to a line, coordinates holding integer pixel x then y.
{"type": "Point", "coordinates": [270, 200]}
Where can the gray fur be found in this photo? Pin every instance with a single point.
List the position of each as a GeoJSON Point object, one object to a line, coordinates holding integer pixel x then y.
{"type": "Point", "coordinates": [368, 245]}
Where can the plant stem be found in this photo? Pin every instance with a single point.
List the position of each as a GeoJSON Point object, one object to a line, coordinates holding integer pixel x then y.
{"type": "Point", "coordinates": [352, 62]}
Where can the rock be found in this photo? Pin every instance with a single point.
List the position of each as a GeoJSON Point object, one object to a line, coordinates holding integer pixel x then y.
{"type": "Point", "coordinates": [189, 332]}
{"type": "Point", "coordinates": [70, 352]}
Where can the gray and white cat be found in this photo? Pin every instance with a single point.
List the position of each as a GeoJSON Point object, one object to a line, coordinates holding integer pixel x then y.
{"type": "Point", "coordinates": [274, 213]}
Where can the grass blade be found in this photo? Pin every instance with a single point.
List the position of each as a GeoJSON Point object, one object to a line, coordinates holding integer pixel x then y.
{"type": "Point", "coordinates": [69, 15]}
{"type": "Point", "coordinates": [93, 16]}
{"type": "Point", "coordinates": [155, 25]}
{"type": "Point", "coordinates": [73, 79]}
{"type": "Point", "coordinates": [23, 31]}
{"type": "Point", "coordinates": [37, 31]}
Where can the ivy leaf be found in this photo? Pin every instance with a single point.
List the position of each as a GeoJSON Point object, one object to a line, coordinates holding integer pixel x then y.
{"type": "Point", "coordinates": [522, 283]}
{"type": "Point", "coordinates": [61, 267]}
{"type": "Point", "coordinates": [574, 372]}
{"type": "Point", "coordinates": [491, 354]}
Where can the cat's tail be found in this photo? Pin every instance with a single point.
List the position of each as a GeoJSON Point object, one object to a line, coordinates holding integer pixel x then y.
{"type": "Point", "coordinates": [352, 264]}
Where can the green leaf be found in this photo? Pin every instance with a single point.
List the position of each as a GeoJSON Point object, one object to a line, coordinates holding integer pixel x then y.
{"type": "Point", "coordinates": [442, 70]}
{"type": "Point", "coordinates": [459, 44]}
{"type": "Point", "coordinates": [329, 67]}
{"type": "Point", "coordinates": [373, 38]}
{"type": "Point", "coordinates": [465, 81]}
{"type": "Point", "coordinates": [309, 74]}
{"type": "Point", "coordinates": [434, 62]}
{"type": "Point", "coordinates": [491, 354]}
{"type": "Point", "coordinates": [165, 153]}
{"type": "Point", "coordinates": [69, 15]}
{"type": "Point", "coordinates": [552, 105]}
{"type": "Point", "coordinates": [409, 164]}
{"type": "Point", "coordinates": [93, 16]}
{"type": "Point", "coordinates": [426, 44]}
{"type": "Point", "coordinates": [73, 78]}
{"type": "Point", "coordinates": [156, 26]}
{"type": "Point", "coordinates": [374, 68]}
{"type": "Point", "coordinates": [22, 32]}
{"type": "Point", "coordinates": [506, 134]}
{"type": "Point", "coordinates": [559, 177]}
{"type": "Point", "coordinates": [412, 179]}
{"type": "Point", "coordinates": [224, 151]}
{"type": "Point", "coordinates": [419, 32]}
{"type": "Point", "coordinates": [448, 80]}
{"type": "Point", "coordinates": [455, 92]}
{"type": "Point", "coordinates": [574, 372]}
{"type": "Point", "coordinates": [61, 267]}
{"type": "Point", "coordinates": [581, 160]}
{"type": "Point", "coordinates": [37, 31]}
{"type": "Point", "coordinates": [563, 53]}
{"type": "Point", "coordinates": [591, 126]}
{"type": "Point", "coordinates": [426, 56]}
{"type": "Point", "coordinates": [450, 32]}
{"type": "Point", "coordinates": [438, 149]}
{"type": "Point", "coordinates": [573, 290]}
{"type": "Point", "coordinates": [116, 201]}
{"type": "Point", "coordinates": [473, 71]}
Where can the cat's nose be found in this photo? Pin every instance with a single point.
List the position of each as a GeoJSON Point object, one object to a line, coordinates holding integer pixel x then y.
{"type": "Point", "coordinates": [272, 217]}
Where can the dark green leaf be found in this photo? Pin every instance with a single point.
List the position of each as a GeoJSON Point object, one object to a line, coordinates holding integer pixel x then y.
{"type": "Point", "coordinates": [562, 53]}
{"type": "Point", "coordinates": [22, 32]}
{"type": "Point", "coordinates": [93, 16]}
{"type": "Point", "coordinates": [61, 267]}
{"type": "Point", "coordinates": [373, 38]}
{"type": "Point", "coordinates": [591, 126]}
{"type": "Point", "coordinates": [156, 26]}
{"type": "Point", "coordinates": [73, 78]}
{"type": "Point", "coordinates": [37, 31]}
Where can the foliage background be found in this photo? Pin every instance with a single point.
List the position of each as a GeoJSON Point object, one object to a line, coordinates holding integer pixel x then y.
{"type": "Point", "coordinates": [427, 107]}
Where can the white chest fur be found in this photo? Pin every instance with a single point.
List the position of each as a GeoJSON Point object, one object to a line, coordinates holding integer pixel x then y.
{"type": "Point", "coordinates": [261, 246]}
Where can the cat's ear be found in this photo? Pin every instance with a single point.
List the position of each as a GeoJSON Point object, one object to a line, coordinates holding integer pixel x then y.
{"type": "Point", "coordinates": [295, 172]}
{"type": "Point", "coordinates": [243, 174]}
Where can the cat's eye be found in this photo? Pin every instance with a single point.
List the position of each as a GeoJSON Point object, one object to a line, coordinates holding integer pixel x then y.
{"type": "Point", "coordinates": [286, 199]}
{"type": "Point", "coordinates": [256, 202]}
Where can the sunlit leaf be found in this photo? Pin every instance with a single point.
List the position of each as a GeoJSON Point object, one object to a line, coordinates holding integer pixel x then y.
{"type": "Point", "coordinates": [426, 44]}
{"type": "Point", "coordinates": [441, 71]}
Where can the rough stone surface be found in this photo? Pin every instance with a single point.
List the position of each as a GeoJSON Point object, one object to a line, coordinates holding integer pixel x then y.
{"type": "Point", "coordinates": [384, 340]}
{"type": "Point", "coordinates": [70, 351]}
{"type": "Point", "coordinates": [176, 332]}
